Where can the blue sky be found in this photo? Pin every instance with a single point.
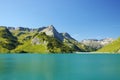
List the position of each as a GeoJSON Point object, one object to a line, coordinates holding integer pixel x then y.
{"type": "Point", "coordinates": [83, 19]}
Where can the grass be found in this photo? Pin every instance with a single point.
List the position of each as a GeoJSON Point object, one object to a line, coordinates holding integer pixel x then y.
{"type": "Point", "coordinates": [7, 40]}
{"type": "Point", "coordinates": [22, 35]}
{"type": "Point", "coordinates": [28, 47]}
{"type": "Point", "coordinates": [3, 50]}
{"type": "Point", "coordinates": [113, 47]}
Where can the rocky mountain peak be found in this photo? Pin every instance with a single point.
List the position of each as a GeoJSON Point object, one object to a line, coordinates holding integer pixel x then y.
{"type": "Point", "coordinates": [51, 31]}
{"type": "Point", "coordinates": [51, 28]}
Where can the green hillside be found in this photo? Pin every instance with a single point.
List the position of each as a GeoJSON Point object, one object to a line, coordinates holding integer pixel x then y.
{"type": "Point", "coordinates": [7, 40]}
{"type": "Point", "coordinates": [41, 43]}
{"type": "Point", "coordinates": [22, 35]}
{"type": "Point", "coordinates": [76, 46]}
{"type": "Point", "coordinates": [113, 47]}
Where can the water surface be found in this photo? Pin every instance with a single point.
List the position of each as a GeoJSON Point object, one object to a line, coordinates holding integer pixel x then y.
{"type": "Point", "coordinates": [59, 67]}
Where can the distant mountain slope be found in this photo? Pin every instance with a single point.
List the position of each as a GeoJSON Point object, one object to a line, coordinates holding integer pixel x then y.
{"type": "Point", "coordinates": [94, 44]}
{"type": "Point", "coordinates": [113, 47]}
{"type": "Point", "coordinates": [7, 40]}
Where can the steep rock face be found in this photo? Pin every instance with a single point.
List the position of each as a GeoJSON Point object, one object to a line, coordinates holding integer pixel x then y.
{"type": "Point", "coordinates": [95, 44]}
{"type": "Point", "coordinates": [51, 31]}
{"type": "Point", "coordinates": [67, 36]}
{"type": "Point", "coordinates": [7, 40]}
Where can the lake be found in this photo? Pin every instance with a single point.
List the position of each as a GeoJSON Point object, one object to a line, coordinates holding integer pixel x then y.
{"type": "Point", "coordinates": [59, 67]}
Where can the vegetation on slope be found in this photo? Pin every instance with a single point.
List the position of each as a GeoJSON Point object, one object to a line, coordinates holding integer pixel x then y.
{"type": "Point", "coordinates": [22, 35]}
{"type": "Point", "coordinates": [7, 40]}
{"type": "Point", "coordinates": [22, 41]}
{"type": "Point", "coordinates": [74, 45]}
{"type": "Point", "coordinates": [113, 47]}
{"type": "Point", "coordinates": [41, 43]}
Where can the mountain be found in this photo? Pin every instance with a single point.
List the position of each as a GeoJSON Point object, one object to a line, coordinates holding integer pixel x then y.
{"type": "Point", "coordinates": [64, 38]}
{"type": "Point", "coordinates": [42, 40]}
{"type": "Point", "coordinates": [49, 40]}
{"type": "Point", "coordinates": [112, 47]}
{"type": "Point", "coordinates": [72, 43]}
{"type": "Point", "coordinates": [45, 40]}
{"type": "Point", "coordinates": [67, 36]}
{"type": "Point", "coordinates": [42, 43]}
{"type": "Point", "coordinates": [7, 40]}
{"type": "Point", "coordinates": [95, 44]}
{"type": "Point", "coordinates": [51, 31]}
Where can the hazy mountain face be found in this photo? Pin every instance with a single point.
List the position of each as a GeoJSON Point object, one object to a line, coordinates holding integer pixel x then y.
{"type": "Point", "coordinates": [97, 44]}
{"type": "Point", "coordinates": [113, 47]}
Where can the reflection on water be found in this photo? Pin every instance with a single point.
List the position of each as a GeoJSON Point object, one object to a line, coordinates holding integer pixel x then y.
{"type": "Point", "coordinates": [59, 67]}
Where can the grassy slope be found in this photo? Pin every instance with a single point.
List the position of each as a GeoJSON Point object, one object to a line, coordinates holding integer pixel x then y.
{"type": "Point", "coordinates": [113, 47]}
{"type": "Point", "coordinates": [7, 40]}
{"type": "Point", "coordinates": [28, 47]}
{"type": "Point", "coordinates": [3, 50]}
{"type": "Point", "coordinates": [52, 45]}
{"type": "Point", "coordinates": [21, 35]}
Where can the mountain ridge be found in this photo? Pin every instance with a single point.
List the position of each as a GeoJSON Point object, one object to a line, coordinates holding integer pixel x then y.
{"type": "Point", "coordinates": [47, 39]}
{"type": "Point", "coordinates": [41, 40]}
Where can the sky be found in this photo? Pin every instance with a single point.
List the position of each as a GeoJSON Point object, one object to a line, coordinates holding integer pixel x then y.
{"type": "Point", "coordinates": [82, 19]}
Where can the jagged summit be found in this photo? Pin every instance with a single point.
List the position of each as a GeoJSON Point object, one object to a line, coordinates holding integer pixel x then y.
{"type": "Point", "coordinates": [51, 31]}
{"type": "Point", "coordinates": [51, 26]}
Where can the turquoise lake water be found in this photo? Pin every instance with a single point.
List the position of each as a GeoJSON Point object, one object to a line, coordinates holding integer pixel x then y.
{"type": "Point", "coordinates": [59, 67]}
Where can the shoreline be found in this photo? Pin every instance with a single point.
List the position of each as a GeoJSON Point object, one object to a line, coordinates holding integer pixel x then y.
{"type": "Point", "coordinates": [96, 53]}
